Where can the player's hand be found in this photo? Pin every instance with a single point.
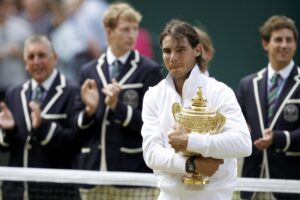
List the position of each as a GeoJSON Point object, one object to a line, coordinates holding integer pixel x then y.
{"type": "Point", "coordinates": [178, 138]}
{"type": "Point", "coordinates": [207, 166]}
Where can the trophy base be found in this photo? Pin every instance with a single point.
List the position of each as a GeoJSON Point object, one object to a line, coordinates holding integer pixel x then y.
{"type": "Point", "coordinates": [194, 179]}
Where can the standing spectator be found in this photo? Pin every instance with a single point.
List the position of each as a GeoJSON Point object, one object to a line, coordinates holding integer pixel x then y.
{"type": "Point", "coordinates": [112, 89]}
{"type": "Point", "coordinates": [144, 43]}
{"type": "Point", "coordinates": [181, 51]}
{"type": "Point", "coordinates": [39, 16]}
{"type": "Point", "coordinates": [35, 121]}
{"type": "Point", "coordinates": [12, 7]}
{"type": "Point", "coordinates": [270, 101]}
{"type": "Point", "coordinates": [81, 37]}
{"type": "Point", "coordinates": [13, 32]}
{"type": "Point", "coordinates": [208, 49]}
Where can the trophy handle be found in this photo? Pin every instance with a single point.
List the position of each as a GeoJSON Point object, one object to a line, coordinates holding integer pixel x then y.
{"type": "Point", "coordinates": [221, 119]}
{"type": "Point", "coordinates": [176, 108]}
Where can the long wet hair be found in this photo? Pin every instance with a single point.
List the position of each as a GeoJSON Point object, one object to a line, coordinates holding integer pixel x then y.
{"type": "Point", "coordinates": [178, 30]}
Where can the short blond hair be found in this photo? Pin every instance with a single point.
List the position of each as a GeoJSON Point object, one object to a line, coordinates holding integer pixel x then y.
{"type": "Point", "coordinates": [117, 10]}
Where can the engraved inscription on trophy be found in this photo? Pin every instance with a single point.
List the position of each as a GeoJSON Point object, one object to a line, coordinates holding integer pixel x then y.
{"type": "Point", "coordinates": [197, 119]}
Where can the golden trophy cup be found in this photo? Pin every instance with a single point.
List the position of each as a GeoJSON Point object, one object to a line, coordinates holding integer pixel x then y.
{"type": "Point", "coordinates": [197, 119]}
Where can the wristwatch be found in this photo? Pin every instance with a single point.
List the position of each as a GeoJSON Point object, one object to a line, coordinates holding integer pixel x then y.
{"type": "Point", "coordinates": [190, 166]}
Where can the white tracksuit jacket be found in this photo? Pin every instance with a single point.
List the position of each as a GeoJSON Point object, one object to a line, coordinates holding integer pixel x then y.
{"type": "Point", "coordinates": [233, 142]}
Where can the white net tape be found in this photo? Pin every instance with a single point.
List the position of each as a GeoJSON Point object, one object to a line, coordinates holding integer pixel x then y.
{"type": "Point", "coordinates": [131, 179]}
{"type": "Point", "coordinates": [77, 176]}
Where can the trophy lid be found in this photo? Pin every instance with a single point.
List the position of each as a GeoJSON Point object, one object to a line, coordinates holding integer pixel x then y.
{"type": "Point", "coordinates": [198, 102]}
{"type": "Point", "coordinates": [198, 106]}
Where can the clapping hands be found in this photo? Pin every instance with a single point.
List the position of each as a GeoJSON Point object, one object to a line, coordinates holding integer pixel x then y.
{"type": "Point", "coordinates": [112, 92]}
{"type": "Point", "coordinates": [6, 118]}
{"type": "Point", "coordinates": [90, 96]}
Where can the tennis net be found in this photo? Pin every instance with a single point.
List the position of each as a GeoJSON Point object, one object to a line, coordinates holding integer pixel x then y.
{"type": "Point", "coordinates": [37, 183]}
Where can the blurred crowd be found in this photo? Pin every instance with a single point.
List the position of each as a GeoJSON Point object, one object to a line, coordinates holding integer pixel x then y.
{"type": "Point", "coordinates": [74, 26]}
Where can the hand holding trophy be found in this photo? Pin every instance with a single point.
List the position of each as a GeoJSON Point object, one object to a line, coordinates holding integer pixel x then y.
{"type": "Point", "coordinates": [197, 119]}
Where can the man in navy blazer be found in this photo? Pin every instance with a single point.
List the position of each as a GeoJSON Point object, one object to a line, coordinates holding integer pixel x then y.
{"type": "Point", "coordinates": [272, 113]}
{"type": "Point", "coordinates": [113, 88]}
{"type": "Point", "coordinates": [38, 131]}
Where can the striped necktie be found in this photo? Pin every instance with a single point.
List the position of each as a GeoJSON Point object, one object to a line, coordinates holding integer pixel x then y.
{"type": "Point", "coordinates": [272, 96]}
{"type": "Point", "coordinates": [116, 69]}
{"type": "Point", "coordinates": [38, 94]}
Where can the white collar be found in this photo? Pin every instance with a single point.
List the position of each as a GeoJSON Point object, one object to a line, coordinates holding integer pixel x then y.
{"type": "Point", "coordinates": [111, 57]}
{"type": "Point", "coordinates": [284, 73]}
{"type": "Point", "coordinates": [191, 84]}
{"type": "Point", "coordinates": [47, 83]}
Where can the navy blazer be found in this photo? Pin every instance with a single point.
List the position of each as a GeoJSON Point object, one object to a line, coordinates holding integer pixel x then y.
{"type": "Point", "coordinates": [282, 159]}
{"type": "Point", "coordinates": [113, 139]}
{"type": "Point", "coordinates": [52, 145]}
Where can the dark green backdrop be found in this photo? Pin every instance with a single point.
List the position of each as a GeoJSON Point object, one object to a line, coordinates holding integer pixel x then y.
{"type": "Point", "coordinates": [232, 24]}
